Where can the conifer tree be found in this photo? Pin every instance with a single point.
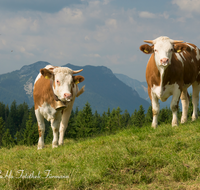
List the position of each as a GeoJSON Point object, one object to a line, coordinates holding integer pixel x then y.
{"type": "Point", "coordinates": [71, 131]}
{"type": "Point", "coordinates": [12, 120]}
{"type": "Point", "coordinates": [2, 110]}
{"type": "Point", "coordinates": [149, 115]}
{"type": "Point", "coordinates": [97, 122]}
{"type": "Point", "coordinates": [114, 121]}
{"type": "Point", "coordinates": [84, 122]}
{"type": "Point", "coordinates": [2, 129]}
{"type": "Point", "coordinates": [103, 124]}
{"type": "Point", "coordinates": [125, 119]}
{"type": "Point", "coordinates": [7, 140]}
{"type": "Point", "coordinates": [164, 115]}
{"type": "Point", "coordinates": [138, 117]}
{"type": "Point", "coordinates": [30, 136]}
{"type": "Point", "coordinates": [6, 112]}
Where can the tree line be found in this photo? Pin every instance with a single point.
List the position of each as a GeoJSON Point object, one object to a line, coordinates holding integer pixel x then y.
{"type": "Point", "coordinates": [18, 124]}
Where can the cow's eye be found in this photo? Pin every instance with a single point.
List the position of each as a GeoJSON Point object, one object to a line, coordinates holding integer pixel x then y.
{"type": "Point", "coordinates": [171, 49]}
{"type": "Point", "coordinates": [155, 50]}
{"type": "Point", "coordinates": [58, 82]}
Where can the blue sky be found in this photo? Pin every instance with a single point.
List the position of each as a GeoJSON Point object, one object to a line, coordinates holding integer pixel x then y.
{"type": "Point", "coordinates": [92, 32]}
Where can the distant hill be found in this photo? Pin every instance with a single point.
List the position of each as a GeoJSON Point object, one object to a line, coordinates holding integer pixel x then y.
{"type": "Point", "coordinates": [103, 88]}
{"type": "Point", "coordinates": [140, 87]}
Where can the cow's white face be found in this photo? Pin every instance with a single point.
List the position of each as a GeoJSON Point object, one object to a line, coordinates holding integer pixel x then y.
{"type": "Point", "coordinates": [163, 50]}
{"type": "Point", "coordinates": [63, 85]}
{"type": "Point", "coordinates": [63, 81]}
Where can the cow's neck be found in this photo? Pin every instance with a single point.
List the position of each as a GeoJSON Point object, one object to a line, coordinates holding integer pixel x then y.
{"type": "Point", "coordinates": [161, 72]}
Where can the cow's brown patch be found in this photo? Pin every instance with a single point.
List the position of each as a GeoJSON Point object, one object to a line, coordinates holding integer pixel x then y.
{"type": "Point", "coordinates": [43, 93]}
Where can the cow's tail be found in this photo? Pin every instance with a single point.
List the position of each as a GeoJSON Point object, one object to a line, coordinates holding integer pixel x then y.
{"type": "Point", "coordinates": [80, 91]}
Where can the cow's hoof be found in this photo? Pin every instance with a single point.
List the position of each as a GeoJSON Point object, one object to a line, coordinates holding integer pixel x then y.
{"type": "Point", "coordinates": [40, 147]}
{"type": "Point", "coordinates": [154, 125]}
{"type": "Point", "coordinates": [174, 124]}
{"type": "Point", "coordinates": [194, 118]}
{"type": "Point", "coordinates": [61, 144]}
{"type": "Point", "coordinates": [183, 120]}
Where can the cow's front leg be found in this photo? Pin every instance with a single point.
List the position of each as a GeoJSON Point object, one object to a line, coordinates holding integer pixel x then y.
{"type": "Point", "coordinates": [195, 100]}
{"type": "Point", "coordinates": [155, 110]}
{"type": "Point", "coordinates": [185, 105]}
{"type": "Point", "coordinates": [55, 128]}
{"type": "Point", "coordinates": [174, 105]}
{"type": "Point", "coordinates": [64, 124]}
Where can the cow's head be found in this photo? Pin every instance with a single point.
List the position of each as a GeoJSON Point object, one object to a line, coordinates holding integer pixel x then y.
{"type": "Point", "coordinates": [63, 81]}
{"type": "Point", "coordinates": [163, 48]}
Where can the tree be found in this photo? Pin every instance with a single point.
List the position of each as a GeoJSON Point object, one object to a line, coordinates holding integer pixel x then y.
{"type": "Point", "coordinates": [149, 115]}
{"type": "Point", "coordinates": [125, 119]}
{"type": "Point", "coordinates": [30, 136]}
{"type": "Point", "coordinates": [138, 117]}
{"type": "Point", "coordinates": [97, 122]}
{"type": "Point", "coordinates": [163, 116]}
{"type": "Point", "coordinates": [12, 120]}
{"type": "Point", "coordinates": [84, 122]}
{"type": "Point", "coordinates": [2, 110]}
{"type": "Point", "coordinates": [114, 121]}
{"type": "Point", "coordinates": [2, 129]}
{"type": "Point", "coordinates": [7, 140]}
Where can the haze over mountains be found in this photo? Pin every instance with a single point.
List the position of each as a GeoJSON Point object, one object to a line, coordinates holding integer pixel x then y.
{"type": "Point", "coordinates": [103, 89]}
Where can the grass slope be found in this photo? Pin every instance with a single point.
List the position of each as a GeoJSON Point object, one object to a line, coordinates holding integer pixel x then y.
{"type": "Point", "coordinates": [136, 158]}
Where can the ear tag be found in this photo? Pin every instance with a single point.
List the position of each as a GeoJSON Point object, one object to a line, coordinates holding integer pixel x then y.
{"type": "Point", "coordinates": [146, 51]}
{"type": "Point", "coordinates": [178, 51]}
{"type": "Point", "coordinates": [46, 77]}
{"type": "Point", "coordinates": [77, 82]}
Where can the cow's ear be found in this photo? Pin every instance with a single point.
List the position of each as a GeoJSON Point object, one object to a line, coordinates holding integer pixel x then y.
{"type": "Point", "coordinates": [47, 73]}
{"type": "Point", "coordinates": [179, 47]}
{"type": "Point", "coordinates": [77, 79]}
{"type": "Point", "coordinates": [147, 49]}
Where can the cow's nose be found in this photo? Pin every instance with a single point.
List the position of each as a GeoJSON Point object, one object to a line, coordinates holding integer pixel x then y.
{"type": "Point", "coordinates": [164, 60]}
{"type": "Point", "coordinates": [67, 95]}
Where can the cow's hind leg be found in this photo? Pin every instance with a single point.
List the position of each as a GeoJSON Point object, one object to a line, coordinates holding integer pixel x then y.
{"type": "Point", "coordinates": [41, 129]}
{"type": "Point", "coordinates": [174, 105]}
{"type": "Point", "coordinates": [185, 105]}
{"type": "Point", "coordinates": [195, 100]}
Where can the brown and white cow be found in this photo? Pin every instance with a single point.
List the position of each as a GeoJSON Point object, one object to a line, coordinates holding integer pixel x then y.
{"type": "Point", "coordinates": [54, 93]}
{"type": "Point", "coordinates": [171, 69]}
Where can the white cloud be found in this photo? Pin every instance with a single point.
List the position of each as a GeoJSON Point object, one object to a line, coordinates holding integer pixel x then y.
{"type": "Point", "coordinates": [145, 14]}
{"type": "Point", "coordinates": [91, 55]}
{"type": "Point", "coordinates": [188, 5]}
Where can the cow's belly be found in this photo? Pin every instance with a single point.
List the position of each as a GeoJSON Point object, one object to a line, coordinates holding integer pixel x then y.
{"type": "Point", "coordinates": [163, 93]}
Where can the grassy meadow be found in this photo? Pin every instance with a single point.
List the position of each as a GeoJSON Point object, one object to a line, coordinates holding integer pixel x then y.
{"type": "Point", "coordinates": [135, 158]}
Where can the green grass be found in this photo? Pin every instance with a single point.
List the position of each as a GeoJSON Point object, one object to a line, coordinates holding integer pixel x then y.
{"type": "Point", "coordinates": [136, 158]}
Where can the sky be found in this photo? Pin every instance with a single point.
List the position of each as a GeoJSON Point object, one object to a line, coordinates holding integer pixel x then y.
{"type": "Point", "coordinates": [92, 32]}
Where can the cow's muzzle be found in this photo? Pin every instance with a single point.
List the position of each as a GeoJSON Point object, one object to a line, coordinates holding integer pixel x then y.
{"type": "Point", "coordinates": [164, 62]}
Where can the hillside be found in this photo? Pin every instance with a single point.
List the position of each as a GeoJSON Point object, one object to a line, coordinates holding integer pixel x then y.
{"type": "Point", "coordinates": [103, 89]}
{"type": "Point", "coordinates": [136, 158]}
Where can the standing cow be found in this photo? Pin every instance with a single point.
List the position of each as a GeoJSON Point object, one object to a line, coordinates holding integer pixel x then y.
{"type": "Point", "coordinates": [171, 69]}
{"type": "Point", "coordinates": [54, 93]}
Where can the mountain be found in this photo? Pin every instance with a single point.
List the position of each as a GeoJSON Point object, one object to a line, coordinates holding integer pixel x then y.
{"type": "Point", "coordinates": [140, 87]}
{"type": "Point", "coordinates": [102, 88]}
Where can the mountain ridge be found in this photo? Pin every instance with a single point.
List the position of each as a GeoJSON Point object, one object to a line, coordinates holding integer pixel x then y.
{"type": "Point", "coordinates": [103, 88]}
